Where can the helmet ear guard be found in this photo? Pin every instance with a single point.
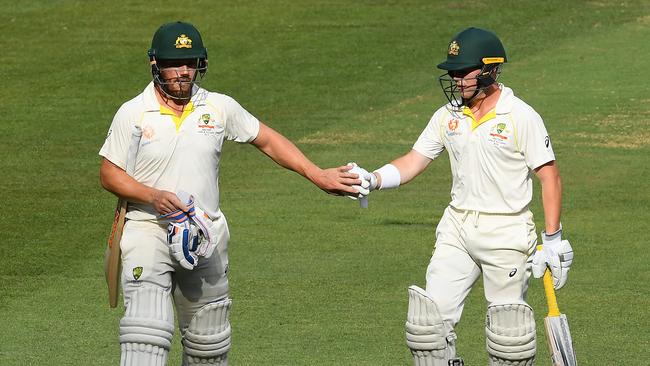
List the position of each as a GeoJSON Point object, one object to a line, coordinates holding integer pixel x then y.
{"type": "Point", "coordinates": [488, 75]}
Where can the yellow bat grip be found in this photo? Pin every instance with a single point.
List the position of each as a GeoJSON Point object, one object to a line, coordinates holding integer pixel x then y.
{"type": "Point", "coordinates": [551, 300]}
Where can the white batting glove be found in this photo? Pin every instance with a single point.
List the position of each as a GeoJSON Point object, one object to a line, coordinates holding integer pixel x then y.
{"type": "Point", "coordinates": [368, 181]}
{"type": "Point", "coordinates": [208, 232]}
{"type": "Point", "coordinates": [557, 255]}
{"type": "Point", "coordinates": [183, 240]}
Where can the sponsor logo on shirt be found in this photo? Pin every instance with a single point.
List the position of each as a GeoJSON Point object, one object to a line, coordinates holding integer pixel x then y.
{"type": "Point", "coordinates": [452, 126]}
{"type": "Point", "coordinates": [148, 132]}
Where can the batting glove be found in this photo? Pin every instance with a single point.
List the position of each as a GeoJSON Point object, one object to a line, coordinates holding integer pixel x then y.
{"type": "Point", "coordinates": [368, 181]}
{"type": "Point", "coordinates": [208, 232]}
{"type": "Point", "coordinates": [183, 240]}
{"type": "Point", "coordinates": [557, 255]}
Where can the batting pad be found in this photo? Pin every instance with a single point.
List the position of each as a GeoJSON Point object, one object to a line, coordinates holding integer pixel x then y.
{"type": "Point", "coordinates": [431, 343]}
{"type": "Point", "coordinates": [147, 327]}
{"type": "Point", "coordinates": [510, 335]}
{"type": "Point", "coordinates": [207, 339]}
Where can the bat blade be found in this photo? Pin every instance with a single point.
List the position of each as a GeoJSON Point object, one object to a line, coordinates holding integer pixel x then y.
{"type": "Point", "coordinates": [559, 340]}
{"type": "Point", "coordinates": [112, 263]}
{"type": "Point", "coordinates": [113, 260]}
{"type": "Point", "coordinates": [558, 336]}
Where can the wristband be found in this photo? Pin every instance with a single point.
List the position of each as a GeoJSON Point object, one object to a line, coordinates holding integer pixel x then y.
{"type": "Point", "coordinates": [390, 176]}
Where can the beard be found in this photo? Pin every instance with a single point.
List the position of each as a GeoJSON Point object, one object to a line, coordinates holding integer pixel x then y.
{"type": "Point", "coordinates": [179, 88]}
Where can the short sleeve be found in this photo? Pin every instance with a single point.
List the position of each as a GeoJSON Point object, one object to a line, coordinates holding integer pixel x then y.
{"type": "Point", "coordinates": [241, 126]}
{"type": "Point", "coordinates": [430, 143]}
{"type": "Point", "coordinates": [115, 148]}
{"type": "Point", "coordinates": [535, 142]}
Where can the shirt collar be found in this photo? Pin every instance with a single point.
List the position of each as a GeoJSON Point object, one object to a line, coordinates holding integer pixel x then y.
{"type": "Point", "coordinates": [504, 104]}
{"type": "Point", "coordinates": [149, 98]}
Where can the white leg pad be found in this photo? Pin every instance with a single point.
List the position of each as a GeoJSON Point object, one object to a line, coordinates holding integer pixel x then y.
{"type": "Point", "coordinates": [431, 341]}
{"type": "Point", "coordinates": [147, 327]}
{"type": "Point", "coordinates": [510, 335]}
{"type": "Point", "coordinates": [208, 336]}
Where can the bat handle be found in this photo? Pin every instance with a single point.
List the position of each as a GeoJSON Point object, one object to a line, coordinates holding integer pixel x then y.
{"type": "Point", "coordinates": [549, 289]}
{"type": "Point", "coordinates": [363, 202]}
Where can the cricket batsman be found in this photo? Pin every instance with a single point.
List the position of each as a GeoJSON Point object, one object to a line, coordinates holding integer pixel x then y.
{"type": "Point", "coordinates": [175, 240]}
{"type": "Point", "coordinates": [496, 144]}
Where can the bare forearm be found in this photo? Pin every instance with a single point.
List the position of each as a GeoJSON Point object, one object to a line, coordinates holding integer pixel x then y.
{"type": "Point", "coordinates": [551, 182]}
{"type": "Point", "coordinates": [334, 180]}
{"type": "Point", "coordinates": [285, 153]}
{"type": "Point", "coordinates": [116, 181]}
{"type": "Point", "coordinates": [552, 199]}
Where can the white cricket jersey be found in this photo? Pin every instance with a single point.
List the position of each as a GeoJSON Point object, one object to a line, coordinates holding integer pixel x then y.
{"type": "Point", "coordinates": [178, 153]}
{"type": "Point", "coordinates": [492, 160]}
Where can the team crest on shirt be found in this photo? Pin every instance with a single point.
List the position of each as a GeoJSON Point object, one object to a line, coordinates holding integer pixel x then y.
{"type": "Point", "coordinates": [499, 134]}
{"type": "Point", "coordinates": [452, 127]}
{"type": "Point", "coordinates": [206, 121]}
{"type": "Point", "coordinates": [207, 125]}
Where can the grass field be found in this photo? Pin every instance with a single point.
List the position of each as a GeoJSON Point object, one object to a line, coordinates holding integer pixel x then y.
{"type": "Point", "coordinates": [316, 280]}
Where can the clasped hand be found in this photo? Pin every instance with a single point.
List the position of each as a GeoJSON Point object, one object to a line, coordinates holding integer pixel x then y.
{"type": "Point", "coordinates": [368, 181]}
{"type": "Point", "coordinates": [190, 233]}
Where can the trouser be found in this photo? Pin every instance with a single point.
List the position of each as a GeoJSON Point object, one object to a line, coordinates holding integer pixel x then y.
{"type": "Point", "coordinates": [469, 243]}
{"type": "Point", "coordinates": [151, 278]}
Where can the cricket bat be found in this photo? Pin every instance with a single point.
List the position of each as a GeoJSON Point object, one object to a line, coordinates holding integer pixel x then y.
{"type": "Point", "coordinates": [112, 264]}
{"type": "Point", "coordinates": [556, 325]}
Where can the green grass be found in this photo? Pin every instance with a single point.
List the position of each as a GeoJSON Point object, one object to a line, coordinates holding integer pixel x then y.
{"type": "Point", "coordinates": [315, 280]}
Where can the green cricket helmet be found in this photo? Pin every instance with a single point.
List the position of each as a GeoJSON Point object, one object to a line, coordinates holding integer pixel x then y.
{"type": "Point", "coordinates": [177, 41]}
{"type": "Point", "coordinates": [471, 49]}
